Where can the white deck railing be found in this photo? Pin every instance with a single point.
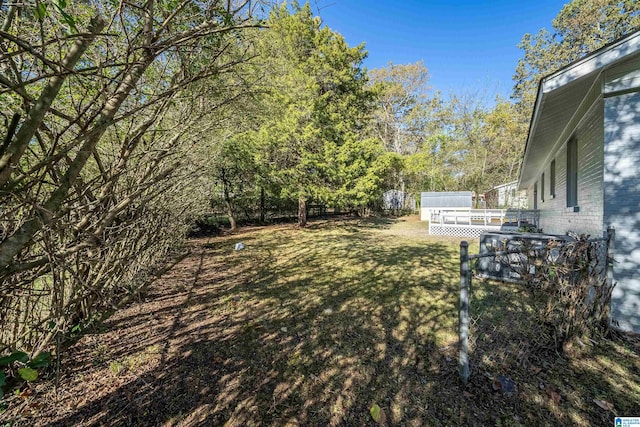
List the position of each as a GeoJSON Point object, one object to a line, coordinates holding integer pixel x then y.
{"type": "Point", "coordinates": [483, 218]}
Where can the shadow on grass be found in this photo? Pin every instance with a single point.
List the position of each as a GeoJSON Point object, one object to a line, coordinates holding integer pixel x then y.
{"type": "Point", "coordinates": [304, 326]}
{"type": "Point", "coordinates": [312, 327]}
{"type": "Point", "coordinates": [589, 384]}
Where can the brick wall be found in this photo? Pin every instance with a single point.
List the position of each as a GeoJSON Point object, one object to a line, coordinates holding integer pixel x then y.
{"type": "Point", "coordinates": [555, 217]}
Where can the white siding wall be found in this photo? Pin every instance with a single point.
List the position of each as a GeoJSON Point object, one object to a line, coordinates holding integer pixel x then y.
{"type": "Point", "coordinates": [622, 203]}
{"type": "Point", "coordinates": [608, 185]}
{"type": "Point", "coordinates": [555, 217]}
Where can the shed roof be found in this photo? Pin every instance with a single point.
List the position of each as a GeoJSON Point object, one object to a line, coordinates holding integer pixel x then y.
{"type": "Point", "coordinates": [563, 97]}
{"type": "Point", "coordinates": [446, 199]}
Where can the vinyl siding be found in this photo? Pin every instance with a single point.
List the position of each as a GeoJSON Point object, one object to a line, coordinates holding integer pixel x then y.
{"type": "Point", "coordinates": [622, 77]}
{"type": "Point", "coordinates": [622, 203]}
{"type": "Point", "coordinates": [443, 200]}
{"type": "Point", "coordinates": [608, 136]}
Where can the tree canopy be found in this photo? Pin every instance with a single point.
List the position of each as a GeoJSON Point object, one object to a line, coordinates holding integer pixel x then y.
{"type": "Point", "coordinates": [582, 26]}
{"type": "Point", "coordinates": [98, 177]}
{"type": "Point", "coordinates": [309, 136]}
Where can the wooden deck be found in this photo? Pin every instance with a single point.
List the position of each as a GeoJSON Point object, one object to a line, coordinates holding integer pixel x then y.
{"type": "Point", "coordinates": [473, 222]}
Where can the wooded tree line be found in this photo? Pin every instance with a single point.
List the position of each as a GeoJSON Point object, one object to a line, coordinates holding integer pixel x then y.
{"type": "Point", "coordinates": [124, 122]}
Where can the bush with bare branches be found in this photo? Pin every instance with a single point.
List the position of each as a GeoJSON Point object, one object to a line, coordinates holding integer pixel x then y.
{"type": "Point", "coordinates": [102, 162]}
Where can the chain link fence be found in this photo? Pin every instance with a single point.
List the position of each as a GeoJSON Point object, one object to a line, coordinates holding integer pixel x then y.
{"type": "Point", "coordinates": [527, 293]}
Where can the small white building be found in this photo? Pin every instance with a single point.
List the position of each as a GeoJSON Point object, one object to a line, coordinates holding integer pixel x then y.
{"type": "Point", "coordinates": [439, 200]}
{"type": "Point", "coordinates": [507, 196]}
{"type": "Point", "coordinates": [398, 200]}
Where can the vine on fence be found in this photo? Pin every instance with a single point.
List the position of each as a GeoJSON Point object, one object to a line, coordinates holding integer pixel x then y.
{"type": "Point", "coordinates": [571, 284]}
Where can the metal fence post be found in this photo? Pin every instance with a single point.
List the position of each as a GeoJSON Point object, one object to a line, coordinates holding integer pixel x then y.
{"type": "Point", "coordinates": [463, 362]}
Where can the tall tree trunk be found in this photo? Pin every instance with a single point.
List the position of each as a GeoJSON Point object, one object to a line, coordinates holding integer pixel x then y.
{"type": "Point", "coordinates": [227, 199]}
{"type": "Point", "coordinates": [232, 218]}
{"type": "Point", "coordinates": [302, 211]}
{"type": "Point", "coordinates": [398, 210]}
{"type": "Point", "coordinates": [263, 204]}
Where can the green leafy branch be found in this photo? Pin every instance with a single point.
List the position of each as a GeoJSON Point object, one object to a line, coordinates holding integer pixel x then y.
{"type": "Point", "coordinates": [40, 12]}
{"type": "Point", "coordinates": [17, 365]}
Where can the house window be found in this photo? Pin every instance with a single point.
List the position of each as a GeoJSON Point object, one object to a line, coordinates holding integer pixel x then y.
{"type": "Point", "coordinates": [542, 188]}
{"type": "Point", "coordinates": [552, 179]}
{"type": "Point", "coordinates": [572, 173]}
{"type": "Point", "coordinates": [535, 195]}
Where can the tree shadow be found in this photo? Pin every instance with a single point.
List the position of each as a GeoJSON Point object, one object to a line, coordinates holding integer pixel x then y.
{"type": "Point", "coordinates": [313, 327]}
{"type": "Point", "coordinates": [289, 333]}
{"type": "Point", "coordinates": [588, 384]}
{"type": "Point", "coordinates": [621, 185]}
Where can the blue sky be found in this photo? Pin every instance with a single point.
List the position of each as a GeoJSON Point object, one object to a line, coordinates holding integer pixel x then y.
{"type": "Point", "coordinates": [468, 46]}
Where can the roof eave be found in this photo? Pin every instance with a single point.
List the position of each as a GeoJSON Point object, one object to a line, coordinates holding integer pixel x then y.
{"type": "Point", "coordinates": [594, 62]}
{"type": "Point", "coordinates": [532, 124]}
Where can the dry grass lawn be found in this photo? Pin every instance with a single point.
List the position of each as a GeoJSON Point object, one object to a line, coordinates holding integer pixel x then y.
{"type": "Point", "coordinates": [313, 327]}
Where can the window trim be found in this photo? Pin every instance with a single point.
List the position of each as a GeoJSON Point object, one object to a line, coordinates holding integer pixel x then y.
{"type": "Point", "coordinates": [572, 173]}
{"type": "Point", "coordinates": [542, 188]}
{"type": "Point", "coordinates": [552, 179]}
